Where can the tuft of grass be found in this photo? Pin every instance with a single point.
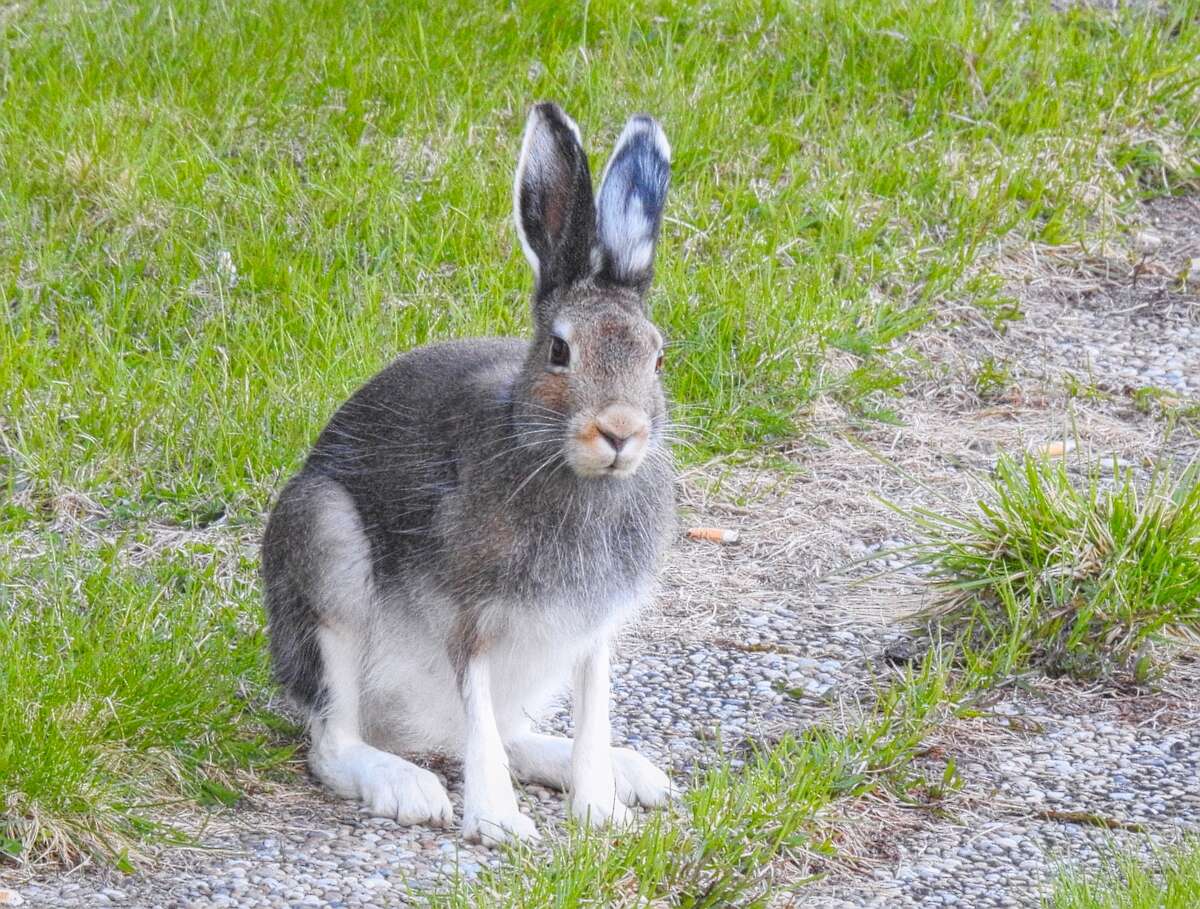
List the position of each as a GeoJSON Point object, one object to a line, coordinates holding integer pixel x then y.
{"type": "Point", "coordinates": [1070, 577]}
{"type": "Point", "coordinates": [1085, 388]}
{"type": "Point", "coordinates": [992, 378]}
{"type": "Point", "coordinates": [1170, 880]}
{"type": "Point", "coordinates": [123, 693]}
{"type": "Point", "coordinates": [735, 828]}
{"type": "Point", "coordinates": [1174, 410]}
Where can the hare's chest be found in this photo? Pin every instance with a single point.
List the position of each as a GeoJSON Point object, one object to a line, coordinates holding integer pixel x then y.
{"type": "Point", "coordinates": [552, 565]}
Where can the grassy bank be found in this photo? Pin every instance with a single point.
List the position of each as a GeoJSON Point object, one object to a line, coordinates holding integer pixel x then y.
{"type": "Point", "coordinates": [130, 683]}
{"type": "Point", "coordinates": [219, 218]}
{"type": "Point", "coordinates": [1170, 879]}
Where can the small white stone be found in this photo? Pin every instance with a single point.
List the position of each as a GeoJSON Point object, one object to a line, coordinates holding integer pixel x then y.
{"type": "Point", "coordinates": [1147, 242]}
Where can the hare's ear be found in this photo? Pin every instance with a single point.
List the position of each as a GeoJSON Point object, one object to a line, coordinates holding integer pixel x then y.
{"type": "Point", "coordinates": [630, 204]}
{"type": "Point", "coordinates": [552, 199]}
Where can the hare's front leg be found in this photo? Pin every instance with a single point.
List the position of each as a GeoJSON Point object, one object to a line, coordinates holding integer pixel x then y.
{"type": "Point", "coordinates": [588, 767]}
{"type": "Point", "coordinates": [594, 784]}
{"type": "Point", "coordinates": [490, 812]}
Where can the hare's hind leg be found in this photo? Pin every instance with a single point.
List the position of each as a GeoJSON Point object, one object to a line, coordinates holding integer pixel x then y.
{"type": "Point", "coordinates": [387, 784]}
{"type": "Point", "coordinates": [320, 597]}
{"type": "Point", "coordinates": [546, 759]}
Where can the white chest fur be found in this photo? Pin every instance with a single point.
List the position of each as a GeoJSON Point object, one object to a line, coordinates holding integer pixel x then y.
{"type": "Point", "coordinates": [412, 701]}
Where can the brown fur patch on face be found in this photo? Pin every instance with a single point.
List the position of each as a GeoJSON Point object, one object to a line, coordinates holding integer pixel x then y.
{"type": "Point", "coordinates": [617, 330]}
{"type": "Point", "coordinates": [550, 390]}
{"type": "Point", "coordinates": [589, 433]}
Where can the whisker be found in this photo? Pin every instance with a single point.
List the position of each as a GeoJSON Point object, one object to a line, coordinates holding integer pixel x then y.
{"type": "Point", "coordinates": [525, 482]}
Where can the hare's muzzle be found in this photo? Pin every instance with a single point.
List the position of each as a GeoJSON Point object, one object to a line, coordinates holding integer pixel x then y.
{"type": "Point", "coordinates": [611, 444]}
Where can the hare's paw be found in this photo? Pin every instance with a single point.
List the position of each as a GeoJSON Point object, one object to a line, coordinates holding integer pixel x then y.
{"type": "Point", "coordinates": [638, 781]}
{"type": "Point", "coordinates": [491, 827]}
{"type": "Point", "coordinates": [392, 787]}
{"type": "Point", "coordinates": [594, 800]}
{"type": "Point", "coordinates": [601, 812]}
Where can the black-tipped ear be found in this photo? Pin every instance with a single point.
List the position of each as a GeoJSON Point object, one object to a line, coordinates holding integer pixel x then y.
{"type": "Point", "coordinates": [552, 199]}
{"type": "Point", "coordinates": [629, 207]}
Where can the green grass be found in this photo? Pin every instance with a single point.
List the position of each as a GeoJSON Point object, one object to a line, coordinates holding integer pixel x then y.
{"type": "Point", "coordinates": [218, 218]}
{"type": "Point", "coordinates": [1182, 413]}
{"type": "Point", "coordinates": [1072, 576]}
{"type": "Point", "coordinates": [1170, 881]}
{"type": "Point", "coordinates": [123, 690]}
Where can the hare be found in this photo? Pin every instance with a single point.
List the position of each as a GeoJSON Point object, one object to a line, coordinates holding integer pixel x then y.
{"type": "Point", "coordinates": [474, 524]}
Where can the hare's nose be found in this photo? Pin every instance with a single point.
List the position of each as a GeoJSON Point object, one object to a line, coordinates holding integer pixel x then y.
{"type": "Point", "coordinates": [617, 442]}
{"type": "Point", "coordinates": [618, 424]}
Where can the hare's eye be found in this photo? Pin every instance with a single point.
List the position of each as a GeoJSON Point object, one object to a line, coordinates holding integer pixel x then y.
{"type": "Point", "coordinates": [560, 352]}
{"type": "Point", "coordinates": [658, 362]}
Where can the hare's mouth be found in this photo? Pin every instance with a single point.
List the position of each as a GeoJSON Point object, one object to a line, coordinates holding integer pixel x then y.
{"type": "Point", "coordinates": [622, 467]}
{"type": "Point", "coordinates": [587, 462]}
{"type": "Point", "coordinates": [617, 470]}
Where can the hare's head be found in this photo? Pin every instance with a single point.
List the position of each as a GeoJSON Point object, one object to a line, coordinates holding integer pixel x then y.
{"type": "Point", "coordinates": [595, 358]}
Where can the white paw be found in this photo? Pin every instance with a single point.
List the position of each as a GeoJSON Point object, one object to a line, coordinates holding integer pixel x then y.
{"type": "Point", "coordinates": [598, 811]}
{"type": "Point", "coordinates": [495, 826]}
{"type": "Point", "coordinates": [392, 787]}
{"type": "Point", "coordinates": [638, 781]}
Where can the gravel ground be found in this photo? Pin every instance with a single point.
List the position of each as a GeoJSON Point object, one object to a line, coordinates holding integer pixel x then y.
{"type": "Point", "coordinates": [1115, 319]}
{"type": "Point", "coordinates": [1053, 776]}
{"type": "Point", "coordinates": [711, 661]}
{"type": "Point", "coordinates": [1060, 774]}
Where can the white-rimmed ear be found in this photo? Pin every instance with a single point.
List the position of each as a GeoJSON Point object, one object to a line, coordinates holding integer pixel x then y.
{"type": "Point", "coordinates": [629, 206]}
{"type": "Point", "coordinates": [553, 206]}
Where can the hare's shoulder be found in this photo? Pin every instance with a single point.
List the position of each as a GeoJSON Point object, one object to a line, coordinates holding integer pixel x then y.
{"type": "Point", "coordinates": [436, 370]}
{"type": "Point", "coordinates": [423, 390]}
